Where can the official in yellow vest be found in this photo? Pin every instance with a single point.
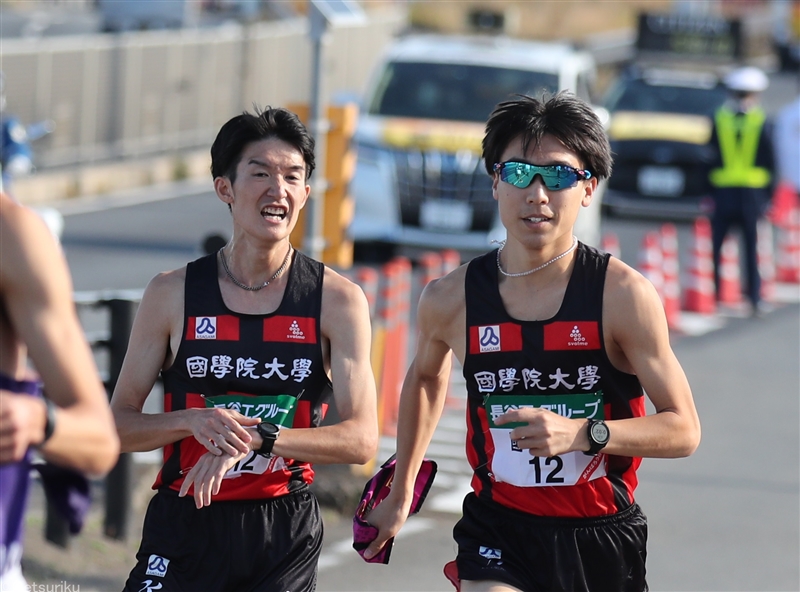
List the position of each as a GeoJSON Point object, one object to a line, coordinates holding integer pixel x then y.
{"type": "Point", "coordinates": [742, 173]}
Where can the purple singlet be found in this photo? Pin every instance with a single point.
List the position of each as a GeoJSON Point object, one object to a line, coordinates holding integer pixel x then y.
{"type": "Point", "coordinates": [14, 485]}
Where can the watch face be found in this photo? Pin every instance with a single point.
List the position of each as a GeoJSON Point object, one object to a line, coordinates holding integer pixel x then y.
{"type": "Point", "coordinates": [268, 430]}
{"type": "Point", "coordinates": [600, 432]}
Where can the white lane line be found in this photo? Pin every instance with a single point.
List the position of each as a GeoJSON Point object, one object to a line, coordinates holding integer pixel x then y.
{"type": "Point", "coordinates": [337, 552]}
{"type": "Point", "coordinates": [451, 500]}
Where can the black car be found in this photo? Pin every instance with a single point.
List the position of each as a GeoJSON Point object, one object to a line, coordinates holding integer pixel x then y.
{"type": "Point", "coordinates": [660, 125]}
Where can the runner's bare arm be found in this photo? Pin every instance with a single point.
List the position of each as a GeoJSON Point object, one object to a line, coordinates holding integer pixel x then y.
{"type": "Point", "coordinates": [634, 315]}
{"type": "Point", "coordinates": [37, 296]}
{"type": "Point", "coordinates": [155, 337]}
{"type": "Point", "coordinates": [354, 440]}
{"type": "Point", "coordinates": [637, 341]}
{"type": "Point", "coordinates": [440, 314]}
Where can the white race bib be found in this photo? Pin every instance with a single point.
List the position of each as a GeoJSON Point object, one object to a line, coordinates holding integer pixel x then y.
{"type": "Point", "coordinates": [514, 465]}
{"type": "Point", "coordinates": [255, 464]}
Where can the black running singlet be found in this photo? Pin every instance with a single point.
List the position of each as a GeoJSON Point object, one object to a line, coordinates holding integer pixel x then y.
{"type": "Point", "coordinates": [559, 364]}
{"type": "Point", "coordinates": [265, 366]}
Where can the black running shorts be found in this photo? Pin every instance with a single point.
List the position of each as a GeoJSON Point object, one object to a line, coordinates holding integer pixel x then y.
{"type": "Point", "coordinates": [536, 553]}
{"type": "Point", "coordinates": [230, 546]}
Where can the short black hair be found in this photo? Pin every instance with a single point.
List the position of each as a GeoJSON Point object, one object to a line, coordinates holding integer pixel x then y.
{"type": "Point", "coordinates": [563, 115]}
{"type": "Point", "coordinates": [238, 132]}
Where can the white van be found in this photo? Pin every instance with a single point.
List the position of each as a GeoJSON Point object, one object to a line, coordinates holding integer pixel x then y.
{"type": "Point", "coordinates": [420, 181]}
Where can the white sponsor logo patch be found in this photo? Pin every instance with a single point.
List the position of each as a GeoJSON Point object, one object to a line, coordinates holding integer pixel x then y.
{"type": "Point", "coordinates": [490, 553]}
{"type": "Point", "coordinates": [205, 328]}
{"type": "Point", "coordinates": [157, 566]}
{"type": "Point", "coordinates": [489, 338]}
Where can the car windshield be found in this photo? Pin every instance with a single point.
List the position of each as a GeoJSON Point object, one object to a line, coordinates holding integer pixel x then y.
{"type": "Point", "coordinates": [637, 95]}
{"type": "Point", "coordinates": [452, 91]}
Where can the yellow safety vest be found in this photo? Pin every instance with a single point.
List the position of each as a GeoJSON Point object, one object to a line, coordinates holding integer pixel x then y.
{"type": "Point", "coordinates": [739, 155]}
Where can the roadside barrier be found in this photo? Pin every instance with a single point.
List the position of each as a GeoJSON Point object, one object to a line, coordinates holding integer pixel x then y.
{"type": "Point", "coordinates": [367, 278]}
{"type": "Point", "coordinates": [610, 244]}
{"type": "Point", "coordinates": [699, 294]}
{"type": "Point", "coordinates": [395, 317]}
{"type": "Point", "coordinates": [651, 262]}
{"type": "Point", "coordinates": [451, 260]}
{"type": "Point", "coordinates": [788, 264]}
{"type": "Point", "coordinates": [431, 264]}
{"type": "Point", "coordinates": [766, 259]}
{"type": "Point", "coordinates": [119, 307]}
{"type": "Point", "coordinates": [671, 275]}
{"type": "Point", "coordinates": [730, 285]}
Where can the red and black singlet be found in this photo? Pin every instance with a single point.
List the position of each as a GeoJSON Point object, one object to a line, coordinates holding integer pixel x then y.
{"type": "Point", "coordinates": [266, 366]}
{"type": "Point", "coordinates": [560, 364]}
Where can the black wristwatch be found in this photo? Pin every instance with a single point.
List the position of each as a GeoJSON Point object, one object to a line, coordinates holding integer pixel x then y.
{"type": "Point", "coordinates": [269, 433]}
{"type": "Point", "coordinates": [50, 420]}
{"type": "Point", "coordinates": [598, 436]}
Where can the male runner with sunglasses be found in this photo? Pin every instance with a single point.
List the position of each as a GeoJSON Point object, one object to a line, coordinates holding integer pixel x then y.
{"type": "Point", "coordinates": [558, 343]}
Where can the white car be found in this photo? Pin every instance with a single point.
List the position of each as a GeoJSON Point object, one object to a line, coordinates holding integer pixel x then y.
{"type": "Point", "coordinates": [420, 181]}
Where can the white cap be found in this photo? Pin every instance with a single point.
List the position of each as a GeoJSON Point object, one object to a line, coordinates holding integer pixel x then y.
{"type": "Point", "coordinates": [747, 79]}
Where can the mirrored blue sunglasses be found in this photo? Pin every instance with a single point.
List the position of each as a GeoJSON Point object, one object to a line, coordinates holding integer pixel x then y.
{"type": "Point", "coordinates": [555, 176]}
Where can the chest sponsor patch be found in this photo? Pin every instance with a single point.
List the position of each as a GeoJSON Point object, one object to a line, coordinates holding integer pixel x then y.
{"type": "Point", "coordinates": [277, 409]}
{"type": "Point", "coordinates": [157, 566]}
{"type": "Point", "coordinates": [289, 329]}
{"type": "Point", "coordinates": [495, 338]}
{"type": "Point", "coordinates": [220, 328]}
{"type": "Point", "coordinates": [571, 335]}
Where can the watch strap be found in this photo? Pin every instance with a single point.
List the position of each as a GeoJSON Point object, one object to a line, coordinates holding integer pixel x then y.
{"type": "Point", "coordinates": [50, 420]}
{"type": "Point", "coordinates": [268, 437]}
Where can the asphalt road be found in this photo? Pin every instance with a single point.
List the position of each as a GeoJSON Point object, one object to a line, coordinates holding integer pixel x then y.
{"type": "Point", "coordinates": [727, 518]}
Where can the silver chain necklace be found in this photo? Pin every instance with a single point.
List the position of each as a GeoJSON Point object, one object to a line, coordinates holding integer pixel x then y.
{"type": "Point", "coordinates": [535, 269]}
{"type": "Point", "coordinates": [262, 286]}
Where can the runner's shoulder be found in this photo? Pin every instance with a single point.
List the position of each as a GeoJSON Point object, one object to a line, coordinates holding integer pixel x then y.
{"type": "Point", "coordinates": [166, 285]}
{"type": "Point", "coordinates": [443, 299]}
{"type": "Point", "coordinates": [339, 291]}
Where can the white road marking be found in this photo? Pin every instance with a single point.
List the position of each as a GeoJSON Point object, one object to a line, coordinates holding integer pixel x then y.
{"type": "Point", "coordinates": [337, 552]}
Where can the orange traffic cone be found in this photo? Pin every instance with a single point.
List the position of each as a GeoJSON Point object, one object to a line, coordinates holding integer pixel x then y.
{"type": "Point", "coordinates": [766, 260]}
{"type": "Point", "coordinates": [431, 264]}
{"type": "Point", "coordinates": [651, 261]}
{"type": "Point", "coordinates": [784, 201]}
{"type": "Point", "coordinates": [699, 294]}
{"type": "Point", "coordinates": [730, 285]}
{"type": "Point", "coordinates": [610, 244]}
{"type": "Point", "coordinates": [788, 267]}
{"type": "Point", "coordinates": [451, 260]}
{"type": "Point", "coordinates": [671, 273]}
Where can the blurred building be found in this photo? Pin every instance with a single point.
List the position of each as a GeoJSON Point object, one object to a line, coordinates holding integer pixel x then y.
{"type": "Point", "coordinates": [533, 20]}
{"type": "Point", "coordinates": [764, 23]}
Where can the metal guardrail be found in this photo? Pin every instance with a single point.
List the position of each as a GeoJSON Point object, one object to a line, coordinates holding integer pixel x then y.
{"type": "Point", "coordinates": [113, 340]}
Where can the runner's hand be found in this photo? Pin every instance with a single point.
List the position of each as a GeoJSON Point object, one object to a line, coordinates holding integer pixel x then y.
{"type": "Point", "coordinates": [547, 434]}
{"type": "Point", "coordinates": [21, 425]}
{"type": "Point", "coordinates": [388, 517]}
{"type": "Point", "coordinates": [222, 431]}
{"type": "Point", "coordinates": [207, 475]}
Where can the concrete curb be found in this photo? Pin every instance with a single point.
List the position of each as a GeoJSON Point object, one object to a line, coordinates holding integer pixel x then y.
{"type": "Point", "coordinates": [47, 187]}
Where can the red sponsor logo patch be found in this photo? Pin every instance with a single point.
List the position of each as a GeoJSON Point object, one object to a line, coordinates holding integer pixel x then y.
{"type": "Point", "coordinates": [219, 328]}
{"type": "Point", "coordinates": [288, 329]}
{"type": "Point", "coordinates": [494, 338]}
{"type": "Point", "coordinates": [571, 335]}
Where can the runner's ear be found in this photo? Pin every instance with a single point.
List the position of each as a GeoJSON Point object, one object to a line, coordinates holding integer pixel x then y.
{"type": "Point", "coordinates": [224, 189]}
{"type": "Point", "coordinates": [589, 187]}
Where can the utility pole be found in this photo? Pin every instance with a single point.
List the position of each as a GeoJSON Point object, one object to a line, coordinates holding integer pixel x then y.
{"type": "Point", "coordinates": [322, 14]}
